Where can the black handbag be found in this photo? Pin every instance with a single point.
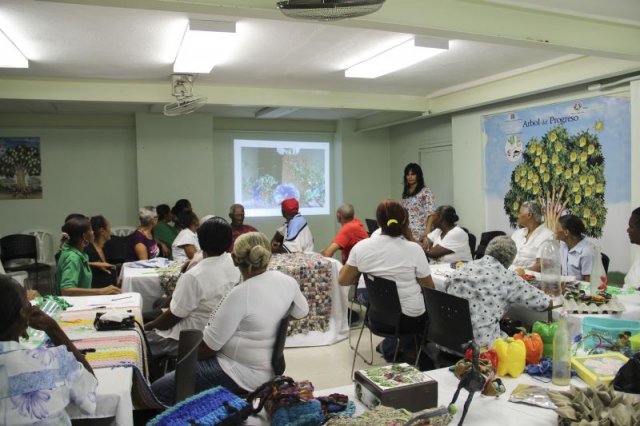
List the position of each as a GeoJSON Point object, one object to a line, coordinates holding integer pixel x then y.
{"type": "Point", "coordinates": [628, 377]}
{"type": "Point", "coordinates": [125, 323]}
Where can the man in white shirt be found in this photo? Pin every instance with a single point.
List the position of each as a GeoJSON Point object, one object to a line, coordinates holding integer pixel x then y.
{"type": "Point", "coordinates": [198, 291]}
{"type": "Point", "coordinates": [294, 236]}
{"type": "Point", "coordinates": [531, 236]}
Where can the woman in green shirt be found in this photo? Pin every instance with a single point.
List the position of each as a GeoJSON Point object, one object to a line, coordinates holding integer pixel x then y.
{"type": "Point", "coordinates": [73, 274]}
{"type": "Point", "coordinates": [163, 232]}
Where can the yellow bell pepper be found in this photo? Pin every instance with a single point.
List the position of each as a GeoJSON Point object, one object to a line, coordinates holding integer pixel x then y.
{"type": "Point", "coordinates": [512, 355]}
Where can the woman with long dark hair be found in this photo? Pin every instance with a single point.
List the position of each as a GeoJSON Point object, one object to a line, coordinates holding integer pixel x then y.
{"type": "Point", "coordinates": [418, 200]}
{"type": "Point", "coordinates": [102, 271]}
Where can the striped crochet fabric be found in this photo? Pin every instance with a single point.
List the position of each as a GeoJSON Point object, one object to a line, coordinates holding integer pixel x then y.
{"type": "Point", "coordinates": [313, 273]}
{"type": "Point", "coordinates": [112, 348]}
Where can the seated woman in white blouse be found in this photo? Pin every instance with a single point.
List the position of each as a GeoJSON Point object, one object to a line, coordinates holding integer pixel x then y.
{"type": "Point", "coordinates": [186, 243]}
{"type": "Point", "coordinates": [447, 242]}
{"type": "Point", "coordinates": [238, 341]}
{"type": "Point", "coordinates": [393, 257]}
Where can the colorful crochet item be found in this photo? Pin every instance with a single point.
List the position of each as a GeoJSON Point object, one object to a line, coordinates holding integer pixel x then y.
{"type": "Point", "coordinates": [387, 416]}
{"type": "Point", "coordinates": [215, 406]}
{"type": "Point", "coordinates": [289, 403]}
{"type": "Point", "coordinates": [306, 413]}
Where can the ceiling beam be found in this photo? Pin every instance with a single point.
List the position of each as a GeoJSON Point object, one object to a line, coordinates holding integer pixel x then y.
{"type": "Point", "coordinates": [157, 92]}
{"type": "Point", "coordinates": [477, 20]}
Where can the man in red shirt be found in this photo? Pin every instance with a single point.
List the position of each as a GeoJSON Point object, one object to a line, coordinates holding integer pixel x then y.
{"type": "Point", "coordinates": [349, 234]}
{"type": "Point", "coordinates": [236, 214]}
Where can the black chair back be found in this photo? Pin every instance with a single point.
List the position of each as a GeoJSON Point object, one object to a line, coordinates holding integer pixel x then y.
{"type": "Point", "coordinates": [18, 246]}
{"type": "Point", "coordinates": [277, 358]}
{"type": "Point", "coordinates": [449, 320]}
{"type": "Point", "coordinates": [485, 239]}
{"type": "Point", "coordinates": [384, 303]}
{"type": "Point", "coordinates": [185, 366]}
{"type": "Point", "coordinates": [605, 262]}
{"type": "Point", "coordinates": [372, 225]}
{"type": "Point", "coordinates": [472, 242]}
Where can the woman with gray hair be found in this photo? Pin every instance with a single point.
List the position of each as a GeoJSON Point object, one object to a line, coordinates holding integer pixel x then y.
{"type": "Point", "coordinates": [491, 288]}
{"type": "Point", "coordinates": [239, 339]}
{"type": "Point", "coordinates": [531, 235]}
{"type": "Point", "coordinates": [143, 245]}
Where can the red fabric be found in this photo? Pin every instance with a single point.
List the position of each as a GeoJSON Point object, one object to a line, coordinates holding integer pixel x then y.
{"type": "Point", "coordinates": [290, 205]}
{"type": "Point", "coordinates": [236, 231]}
{"type": "Point", "coordinates": [348, 235]}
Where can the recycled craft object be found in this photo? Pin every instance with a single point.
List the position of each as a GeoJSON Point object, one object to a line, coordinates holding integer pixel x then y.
{"type": "Point", "coordinates": [605, 344]}
{"type": "Point", "coordinates": [595, 406]}
{"type": "Point", "coordinates": [387, 416]}
{"type": "Point", "coordinates": [477, 375]}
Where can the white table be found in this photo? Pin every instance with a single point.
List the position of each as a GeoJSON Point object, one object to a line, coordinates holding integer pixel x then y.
{"type": "Point", "coordinates": [145, 281]}
{"type": "Point", "coordinates": [484, 410]}
{"type": "Point", "coordinates": [114, 383]}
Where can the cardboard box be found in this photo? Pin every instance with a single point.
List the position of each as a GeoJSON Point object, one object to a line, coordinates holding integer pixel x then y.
{"type": "Point", "coordinates": [397, 386]}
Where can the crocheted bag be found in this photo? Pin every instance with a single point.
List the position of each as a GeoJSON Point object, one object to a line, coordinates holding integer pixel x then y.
{"type": "Point", "coordinates": [287, 402]}
{"type": "Point", "coordinates": [215, 406]}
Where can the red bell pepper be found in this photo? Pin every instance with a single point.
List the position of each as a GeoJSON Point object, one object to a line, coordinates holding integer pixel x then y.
{"type": "Point", "coordinates": [485, 353]}
{"type": "Point", "coordinates": [533, 343]}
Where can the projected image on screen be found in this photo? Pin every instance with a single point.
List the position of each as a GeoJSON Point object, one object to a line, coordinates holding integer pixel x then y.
{"type": "Point", "coordinates": [267, 172]}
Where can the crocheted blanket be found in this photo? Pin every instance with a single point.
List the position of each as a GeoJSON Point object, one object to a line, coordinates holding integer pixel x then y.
{"type": "Point", "coordinates": [313, 273]}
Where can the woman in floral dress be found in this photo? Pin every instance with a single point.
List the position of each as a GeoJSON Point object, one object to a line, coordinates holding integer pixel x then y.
{"type": "Point", "coordinates": [418, 200]}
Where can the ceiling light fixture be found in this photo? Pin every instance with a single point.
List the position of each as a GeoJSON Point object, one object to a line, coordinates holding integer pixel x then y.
{"type": "Point", "coordinates": [274, 112]}
{"type": "Point", "coordinates": [10, 55]}
{"type": "Point", "coordinates": [404, 55]}
{"type": "Point", "coordinates": [205, 44]}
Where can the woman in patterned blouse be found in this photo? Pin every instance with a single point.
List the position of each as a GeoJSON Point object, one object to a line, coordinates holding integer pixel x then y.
{"type": "Point", "coordinates": [418, 200]}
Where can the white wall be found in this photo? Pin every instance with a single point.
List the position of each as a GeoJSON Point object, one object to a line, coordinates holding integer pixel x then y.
{"type": "Point", "coordinates": [90, 171]}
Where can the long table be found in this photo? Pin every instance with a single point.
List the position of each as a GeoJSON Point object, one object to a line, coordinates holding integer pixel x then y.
{"type": "Point", "coordinates": [116, 352]}
{"type": "Point", "coordinates": [317, 276]}
{"type": "Point", "coordinates": [483, 411]}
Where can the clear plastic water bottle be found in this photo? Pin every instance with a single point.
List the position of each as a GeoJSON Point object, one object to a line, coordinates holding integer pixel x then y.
{"type": "Point", "coordinates": [598, 275]}
{"type": "Point", "coordinates": [550, 268]}
{"type": "Point", "coordinates": [561, 374]}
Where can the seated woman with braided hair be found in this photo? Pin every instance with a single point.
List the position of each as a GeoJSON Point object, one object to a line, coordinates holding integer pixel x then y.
{"type": "Point", "coordinates": [38, 384]}
{"type": "Point", "coordinates": [238, 340]}
{"type": "Point", "coordinates": [393, 257]}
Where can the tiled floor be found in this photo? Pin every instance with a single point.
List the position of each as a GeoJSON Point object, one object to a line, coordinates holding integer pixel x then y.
{"type": "Point", "coordinates": [330, 366]}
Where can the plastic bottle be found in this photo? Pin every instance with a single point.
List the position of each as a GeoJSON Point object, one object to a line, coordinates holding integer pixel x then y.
{"type": "Point", "coordinates": [561, 374]}
{"type": "Point", "coordinates": [550, 267]}
{"type": "Point", "coordinates": [598, 275]}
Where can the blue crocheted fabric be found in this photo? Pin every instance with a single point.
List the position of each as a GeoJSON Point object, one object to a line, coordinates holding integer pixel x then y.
{"type": "Point", "coordinates": [307, 413]}
{"type": "Point", "coordinates": [215, 406]}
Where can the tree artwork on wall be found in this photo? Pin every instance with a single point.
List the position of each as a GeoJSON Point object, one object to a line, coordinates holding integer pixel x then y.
{"type": "Point", "coordinates": [564, 173]}
{"type": "Point", "coordinates": [20, 168]}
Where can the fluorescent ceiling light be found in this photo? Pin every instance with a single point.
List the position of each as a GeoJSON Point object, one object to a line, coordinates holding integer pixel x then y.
{"type": "Point", "coordinates": [404, 55]}
{"type": "Point", "coordinates": [271, 112]}
{"type": "Point", "coordinates": [10, 55]}
{"type": "Point", "coordinates": [205, 44]}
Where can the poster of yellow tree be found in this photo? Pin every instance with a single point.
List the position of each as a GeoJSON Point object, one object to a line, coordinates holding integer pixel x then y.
{"type": "Point", "coordinates": [20, 168]}
{"type": "Point", "coordinates": [572, 157]}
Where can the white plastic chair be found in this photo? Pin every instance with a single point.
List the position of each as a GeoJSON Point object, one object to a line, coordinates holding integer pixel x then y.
{"type": "Point", "coordinates": [45, 245]}
{"type": "Point", "coordinates": [122, 231]}
{"type": "Point", "coordinates": [19, 276]}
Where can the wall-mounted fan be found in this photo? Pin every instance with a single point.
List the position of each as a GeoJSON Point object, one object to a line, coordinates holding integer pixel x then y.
{"type": "Point", "coordinates": [328, 10]}
{"type": "Point", "coordinates": [186, 102]}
